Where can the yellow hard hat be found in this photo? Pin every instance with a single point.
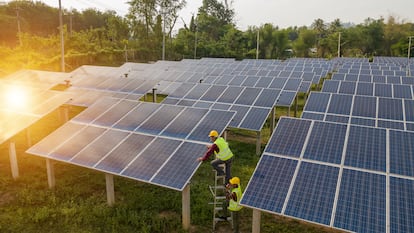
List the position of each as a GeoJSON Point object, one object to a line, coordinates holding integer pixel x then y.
{"type": "Point", "coordinates": [213, 133]}
{"type": "Point", "coordinates": [234, 180]}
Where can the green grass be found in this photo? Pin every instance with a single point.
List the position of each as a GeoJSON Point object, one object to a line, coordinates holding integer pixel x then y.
{"type": "Point", "coordinates": [78, 202]}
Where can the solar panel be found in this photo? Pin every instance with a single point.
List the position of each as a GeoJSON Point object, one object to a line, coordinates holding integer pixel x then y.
{"type": "Point", "coordinates": [248, 96]}
{"type": "Point", "coordinates": [340, 104]}
{"type": "Point", "coordinates": [401, 205]}
{"type": "Point", "coordinates": [158, 121]}
{"type": "Point", "coordinates": [317, 102]}
{"type": "Point", "coordinates": [255, 118]}
{"type": "Point", "coordinates": [115, 113]}
{"type": "Point", "coordinates": [361, 202]}
{"type": "Point", "coordinates": [150, 160]}
{"type": "Point", "coordinates": [270, 172]}
{"type": "Point", "coordinates": [390, 109]}
{"type": "Point", "coordinates": [315, 206]}
{"type": "Point", "coordinates": [230, 94]}
{"type": "Point", "coordinates": [325, 142]}
{"type": "Point", "coordinates": [267, 98]}
{"type": "Point", "coordinates": [184, 123]}
{"type": "Point", "coordinates": [136, 116]}
{"type": "Point", "coordinates": [181, 166]}
{"type": "Point", "coordinates": [337, 175]}
{"type": "Point", "coordinates": [286, 98]}
{"type": "Point", "coordinates": [382, 90]}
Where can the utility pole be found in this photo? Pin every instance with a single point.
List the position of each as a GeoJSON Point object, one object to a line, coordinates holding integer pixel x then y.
{"type": "Point", "coordinates": [257, 44]}
{"type": "Point", "coordinates": [195, 39]}
{"type": "Point", "coordinates": [62, 48]}
{"type": "Point", "coordinates": [163, 33]}
{"type": "Point", "coordinates": [18, 26]}
{"type": "Point", "coordinates": [339, 44]}
{"type": "Point", "coordinates": [409, 55]}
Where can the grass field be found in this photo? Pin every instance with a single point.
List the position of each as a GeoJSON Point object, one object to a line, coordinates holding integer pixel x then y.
{"type": "Point", "coordinates": [78, 202]}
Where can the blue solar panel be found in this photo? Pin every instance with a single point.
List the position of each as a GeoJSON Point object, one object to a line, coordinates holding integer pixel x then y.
{"type": "Point", "coordinates": [255, 118]}
{"type": "Point", "coordinates": [230, 94]}
{"type": "Point", "coordinates": [270, 172]}
{"type": "Point", "coordinates": [337, 118]}
{"type": "Point", "coordinates": [171, 101]}
{"type": "Point", "coordinates": [240, 114]}
{"type": "Point", "coordinates": [135, 117]}
{"type": "Point", "coordinates": [75, 144]}
{"type": "Point", "coordinates": [390, 109]}
{"type": "Point", "coordinates": [409, 110]}
{"type": "Point", "coordinates": [313, 116]}
{"type": "Point", "coordinates": [186, 102]}
{"type": "Point", "coordinates": [340, 104]}
{"type": "Point", "coordinates": [248, 96]}
{"type": "Point", "coordinates": [390, 124]}
{"type": "Point", "coordinates": [197, 91]}
{"type": "Point", "coordinates": [326, 142]}
{"type": "Point", "coordinates": [151, 159]}
{"type": "Point", "coordinates": [250, 81]}
{"type": "Point", "coordinates": [313, 194]}
{"type": "Point", "coordinates": [184, 123]}
{"type": "Point", "coordinates": [362, 121]}
{"type": "Point", "coordinates": [365, 89]}
{"type": "Point", "coordinates": [160, 119]}
{"type": "Point", "coordinates": [267, 98]}
{"type": "Point", "coordinates": [54, 139]}
{"type": "Point", "coordinates": [264, 82]}
{"type": "Point", "coordinates": [365, 106]}
{"type": "Point", "coordinates": [330, 86]}
{"type": "Point", "coordinates": [286, 98]}
{"type": "Point", "coordinates": [115, 113]}
{"type": "Point", "coordinates": [182, 90]}
{"type": "Point", "coordinates": [278, 83]}
{"type": "Point", "coordinates": [383, 90]}
{"type": "Point", "coordinates": [402, 91]}
{"type": "Point", "coordinates": [361, 202]}
{"type": "Point", "coordinates": [95, 110]}
{"type": "Point", "coordinates": [215, 119]}
{"type": "Point", "coordinates": [317, 102]}
{"type": "Point", "coordinates": [366, 148]}
{"type": "Point", "coordinates": [292, 84]}
{"type": "Point", "coordinates": [347, 87]}
{"type": "Point", "coordinates": [401, 152]}
{"type": "Point", "coordinates": [213, 93]}
{"type": "Point", "coordinates": [97, 149]}
{"type": "Point", "coordinates": [124, 153]}
{"type": "Point", "coordinates": [401, 205]}
{"type": "Point", "coordinates": [177, 171]}
{"type": "Point", "coordinates": [288, 137]}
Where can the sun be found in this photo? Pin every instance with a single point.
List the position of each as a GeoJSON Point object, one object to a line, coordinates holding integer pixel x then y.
{"type": "Point", "coordinates": [15, 97]}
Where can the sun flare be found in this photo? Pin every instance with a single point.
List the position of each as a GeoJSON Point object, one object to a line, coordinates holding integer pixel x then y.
{"type": "Point", "coordinates": [15, 98]}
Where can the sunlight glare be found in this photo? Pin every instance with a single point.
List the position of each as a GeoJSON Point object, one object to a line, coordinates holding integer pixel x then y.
{"type": "Point", "coordinates": [15, 97]}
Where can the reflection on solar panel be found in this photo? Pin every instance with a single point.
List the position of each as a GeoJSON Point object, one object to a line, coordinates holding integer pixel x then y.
{"type": "Point", "coordinates": [338, 175]}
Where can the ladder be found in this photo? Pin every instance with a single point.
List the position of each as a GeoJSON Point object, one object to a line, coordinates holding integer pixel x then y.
{"type": "Point", "coordinates": [219, 200]}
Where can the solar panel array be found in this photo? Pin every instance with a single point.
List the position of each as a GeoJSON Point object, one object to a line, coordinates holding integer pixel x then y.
{"type": "Point", "coordinates": [21, 106]}
{"type": "Point", "coordinates": [349, 177]}
{"type": "Point", "coordinates": [153, 143]}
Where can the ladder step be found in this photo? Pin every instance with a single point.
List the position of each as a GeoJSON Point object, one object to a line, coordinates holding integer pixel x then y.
{"type": "Point", "coordinates": [222, 220]}
{"type": "Point", "coordinates": [220, 197]}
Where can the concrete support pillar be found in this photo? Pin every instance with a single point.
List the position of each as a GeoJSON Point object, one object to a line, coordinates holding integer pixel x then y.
{"type": "Point", "coordinates": [256, 221]}
{"type": "Point", "coordinates": [13, 160]}
{"type": "Point", "coordinates": [50, 173]}
{"type": "Point", "coordinates": [186, 207]}
{"type": "Point", "coordinates": [110, 191]}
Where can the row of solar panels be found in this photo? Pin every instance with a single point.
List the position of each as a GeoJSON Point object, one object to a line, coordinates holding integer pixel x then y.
{"type": "Point", "coordinates": [373, 78]}
{"type": "Point", "coordinates": [349, 177]}
{"type": "Point", "coordinates": [149, 142]}
{"type": "Point", "coordinates": [369, 89]}
{"type": "Point", "coordinates": [361, 110]}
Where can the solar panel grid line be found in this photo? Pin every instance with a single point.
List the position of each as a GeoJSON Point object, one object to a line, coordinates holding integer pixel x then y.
{"type": "Point", "coordinates": [166, 161]}
{"type": "Point", "coordinates": [297, 168]}
{"type": "Point", "coordinates": [338, 184]}
{"type": "Point", "coordinates": [136, 157]}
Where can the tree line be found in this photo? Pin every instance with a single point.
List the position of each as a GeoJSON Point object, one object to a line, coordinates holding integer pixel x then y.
{"type": "Point", "coordinates": [30, 36]}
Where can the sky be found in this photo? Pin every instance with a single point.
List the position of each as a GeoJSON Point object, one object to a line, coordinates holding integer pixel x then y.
{"type": "Point", "coordinates": [281, 13]}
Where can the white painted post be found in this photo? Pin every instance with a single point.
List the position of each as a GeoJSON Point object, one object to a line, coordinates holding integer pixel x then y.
{"type": "Point", "coordinates": [13, 160]}
{"type": "Point", "coordinates": [256, 221]}
{"type": "Point", "coordinates": [50, 173]}
{"type": "Point", "coordinates": [28, 138]}
{"type": "Point", "coordinates": [110, 193]}
{"type": "Point", "coordinates": [186, 207]}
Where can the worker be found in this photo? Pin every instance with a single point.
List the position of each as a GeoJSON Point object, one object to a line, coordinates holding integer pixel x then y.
{"type": "Point", "coordinates": [233, 196]}
{"type": "Point", "coordinates": [223, 155]}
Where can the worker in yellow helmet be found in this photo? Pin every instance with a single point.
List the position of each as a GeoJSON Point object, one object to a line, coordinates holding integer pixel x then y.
{"type": "Point", "coordinates": [223, 154]}
{"type": "Point", "coordinates": [233, 196]}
